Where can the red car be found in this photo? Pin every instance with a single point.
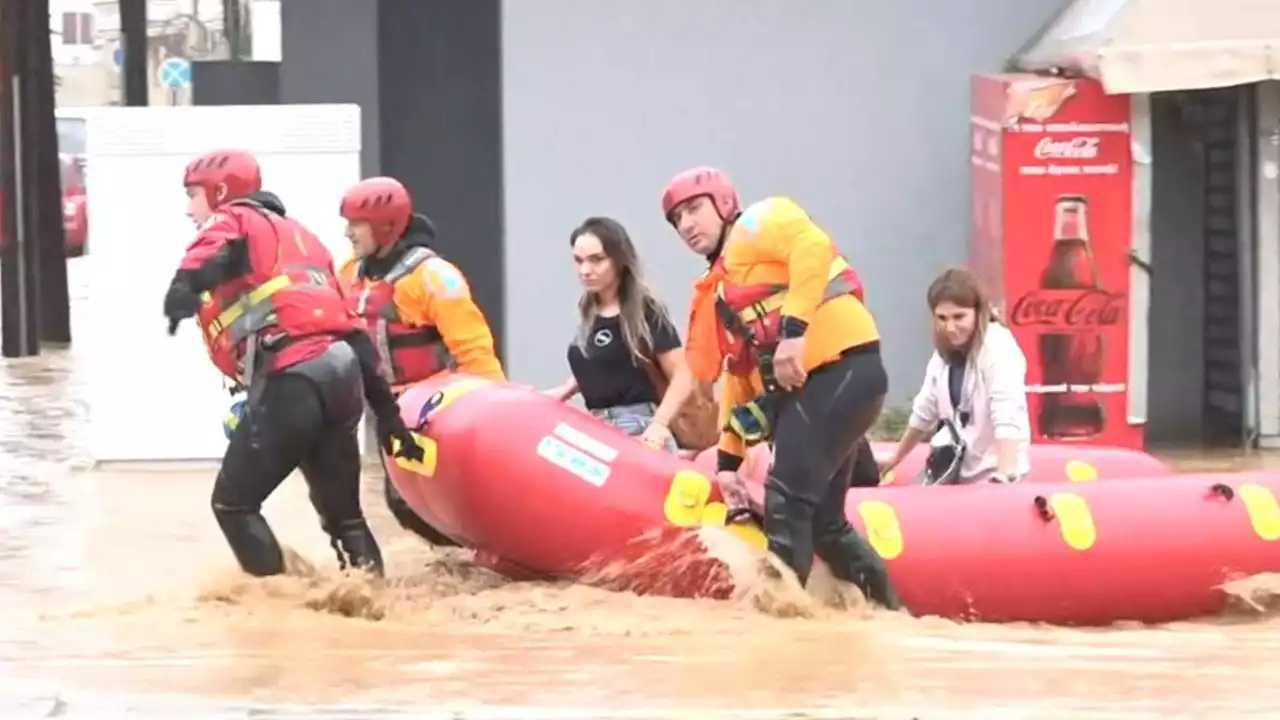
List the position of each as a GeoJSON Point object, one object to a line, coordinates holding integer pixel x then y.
{"type": "Point", "coordinates": [75, 210]}
{"type": "Point", "coordinates": [75, 214]}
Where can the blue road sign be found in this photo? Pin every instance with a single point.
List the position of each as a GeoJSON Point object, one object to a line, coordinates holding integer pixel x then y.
{"type": "Point", "coordinates": [175, 73]}
{"type": "Point", "coordinates": [117, 57]}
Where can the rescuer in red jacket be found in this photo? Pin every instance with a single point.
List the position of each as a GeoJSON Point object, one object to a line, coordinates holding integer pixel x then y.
{"type": "Point", "coordinates": [275, 322]}
{"type": "Point", "coordinates": [417, 306]}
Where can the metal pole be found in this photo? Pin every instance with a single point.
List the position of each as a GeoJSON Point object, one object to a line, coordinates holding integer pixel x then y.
{"type": "Point", "coordinates": [23, 238]}
{"type": "Point", "coordinates": [133, 32]}
{"type": "Point", "coordinates": [18, 304]}
{"type": "Point", "coordinates": [233, 28]}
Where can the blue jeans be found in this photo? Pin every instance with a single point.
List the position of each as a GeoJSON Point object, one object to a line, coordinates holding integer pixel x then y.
{"type": "Point", "coordinates": [632, 420]}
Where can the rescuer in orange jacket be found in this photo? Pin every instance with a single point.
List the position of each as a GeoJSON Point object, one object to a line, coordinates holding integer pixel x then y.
{"type": "Point", "coordinates": [416, 304]}
{"type": "Point", "coordinates": [275, 322]}
{"type": "Point", "coordinates": [779, 313]}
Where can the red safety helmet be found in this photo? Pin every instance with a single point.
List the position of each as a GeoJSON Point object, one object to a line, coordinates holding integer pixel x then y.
{"type": "Point", "coordinates": [237, 170]}
{"type": "Point", "coordinates": [699, 182]}
{"type": "Point", "coordinates": [382, 202]}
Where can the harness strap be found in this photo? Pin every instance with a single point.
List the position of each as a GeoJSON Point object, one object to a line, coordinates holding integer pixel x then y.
{"type": "Point", "coordinates": [388, 313]}
{"type": "Point", "coordinates": [838, 283]}
{"type": "Point", "coordinates": [738, 322]}
{"type": "Point", "coordinates": [254, 309]}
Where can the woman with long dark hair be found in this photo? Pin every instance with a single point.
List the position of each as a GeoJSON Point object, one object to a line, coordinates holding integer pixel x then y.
{"type": "Point", "coordinates": [626, 345]}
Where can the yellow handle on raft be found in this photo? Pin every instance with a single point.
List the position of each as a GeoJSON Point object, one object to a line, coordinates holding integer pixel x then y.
{"type": "Point", "coordinates": [1079, 471]}
{"type": "Point", "coordinates": [1075, 521]}
{"type": "Point", "coordinates": [687, 506]}
{"type": "Point", "coordinates": [884, 533]}
{"type": "Point", "coordinates": [1264, 511]}
{"type": "Point", "coordinates": [425, 467]}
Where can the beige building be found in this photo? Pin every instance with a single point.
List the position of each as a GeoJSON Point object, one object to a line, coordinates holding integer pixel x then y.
{"type": "Point", "coordinates": [86, 39]}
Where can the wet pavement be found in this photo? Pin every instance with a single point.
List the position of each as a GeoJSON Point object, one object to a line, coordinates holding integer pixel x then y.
{"type": "Point", "coordinates": [119, 599]}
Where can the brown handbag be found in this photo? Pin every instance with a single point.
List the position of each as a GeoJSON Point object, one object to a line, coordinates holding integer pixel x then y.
{"type": "Point", "coordinates": [697, 425]}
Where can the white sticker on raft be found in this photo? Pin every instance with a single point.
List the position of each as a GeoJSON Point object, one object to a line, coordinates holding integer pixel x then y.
{"type": "Point", "coordinates": [574, 460]}
{"type": "Point", "coordinates": [573, 449]}
{"type": "Point", "coordinates": [586, 442]}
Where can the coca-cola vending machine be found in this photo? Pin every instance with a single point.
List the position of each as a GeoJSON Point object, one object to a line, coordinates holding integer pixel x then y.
{"type": "Point", "coordinates": [1052, 223]}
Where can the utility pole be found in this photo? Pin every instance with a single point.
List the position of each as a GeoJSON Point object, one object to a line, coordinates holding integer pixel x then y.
{"type": "Point", "coordinates": [19, 304]}
{"type": "Point", "coordinates": [44, 201]}
{"type": "Point", "coordinates": [233, 28]}
{"type": "Point", "coordinates": [133, 39]}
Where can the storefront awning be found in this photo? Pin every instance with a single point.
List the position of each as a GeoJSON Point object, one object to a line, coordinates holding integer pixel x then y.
{"type": "Point", "coordinates": [1141, 46]}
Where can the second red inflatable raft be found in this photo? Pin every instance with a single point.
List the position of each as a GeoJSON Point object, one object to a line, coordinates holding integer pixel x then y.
{"type": "Point", "coordinates": [1049, 463]}
{"type": "Point", "coordinates": [549, 489]}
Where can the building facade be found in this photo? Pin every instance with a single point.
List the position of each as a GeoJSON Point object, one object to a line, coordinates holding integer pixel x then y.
{"type": "Point", "coordinates": [514, 121]}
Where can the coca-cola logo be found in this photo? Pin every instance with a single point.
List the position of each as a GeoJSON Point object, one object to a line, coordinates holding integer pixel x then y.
{"type": "Point", "coordinates": [1076, 148]}
{"type": "Point", "coordinates": [1081, 309]}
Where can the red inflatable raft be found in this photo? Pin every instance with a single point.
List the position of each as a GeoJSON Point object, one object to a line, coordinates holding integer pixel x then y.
{"type": "Point", "coordinates": [547, 488]}
{"type": "Point", "coordinates": [1049, 463]}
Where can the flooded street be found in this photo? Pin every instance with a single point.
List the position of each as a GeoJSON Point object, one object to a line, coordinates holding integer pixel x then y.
{"type": "Point", "coordinates": [119, 596]}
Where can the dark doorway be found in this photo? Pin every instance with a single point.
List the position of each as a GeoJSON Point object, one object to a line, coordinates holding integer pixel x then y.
{"type": "Point", "coordinates": [1202, 232]}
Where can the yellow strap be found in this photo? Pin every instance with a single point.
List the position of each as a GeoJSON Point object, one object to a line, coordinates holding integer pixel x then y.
{"type": "Point", "coordinates": [774, 302]}
{"type": "Point", "coordinates": [248, 300]}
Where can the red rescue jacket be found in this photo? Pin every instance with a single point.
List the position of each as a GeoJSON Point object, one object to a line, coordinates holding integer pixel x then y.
{"type": "Point", "coordinates": [286, 309]}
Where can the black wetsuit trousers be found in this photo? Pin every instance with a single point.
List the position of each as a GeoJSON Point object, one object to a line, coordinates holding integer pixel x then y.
{"type": "Point", "coordinates": [866, 471]}
{"type": "Point", "coordinates": [817, 438]}
{"type": "Point", "coordinates": [303, 417]}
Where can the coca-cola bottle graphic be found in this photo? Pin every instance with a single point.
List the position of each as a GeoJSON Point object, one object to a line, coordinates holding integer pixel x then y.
{"type": "Point", "coordinates": [1071, 353]}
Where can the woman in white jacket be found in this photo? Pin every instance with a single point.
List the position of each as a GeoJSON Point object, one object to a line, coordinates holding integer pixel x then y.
{"type": "Point", "coordinates": [974, 389]}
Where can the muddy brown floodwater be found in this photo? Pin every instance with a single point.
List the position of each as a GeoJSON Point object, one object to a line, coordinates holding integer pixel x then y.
{"type": "Point", "coordinates": [119, 599]}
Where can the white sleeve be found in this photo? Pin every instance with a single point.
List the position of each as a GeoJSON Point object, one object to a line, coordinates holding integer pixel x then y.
{"type": "Point", "coordinates": [924, 409]}
{"type": "Point", "coordinates": [1004, 373]}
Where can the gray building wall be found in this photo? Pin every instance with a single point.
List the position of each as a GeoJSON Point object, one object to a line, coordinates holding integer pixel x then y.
{"type": "Point", "coordinates": [859, 111]}
{"type": "Point", "coordinates": [427, 78]}
{"type": "Point", "coordinates": [330, 55]}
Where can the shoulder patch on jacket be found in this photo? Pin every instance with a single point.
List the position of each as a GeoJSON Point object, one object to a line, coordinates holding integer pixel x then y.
{"type": "Point", "coordinates": [444, 279]}
{"type": "Point", "coordinates": [753, 219]}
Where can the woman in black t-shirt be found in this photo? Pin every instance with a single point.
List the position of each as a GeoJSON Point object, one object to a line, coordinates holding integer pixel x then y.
{"type": "Point", "coordinates": [625, 336]}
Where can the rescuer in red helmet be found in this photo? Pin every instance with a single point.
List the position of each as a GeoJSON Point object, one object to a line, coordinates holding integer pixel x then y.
{"type": "Point", "coordinates": [417, 305]}
{"type": "Point", "coordinates": [781, 312]}
{"type": "Point", "coordinates": [275, 322]}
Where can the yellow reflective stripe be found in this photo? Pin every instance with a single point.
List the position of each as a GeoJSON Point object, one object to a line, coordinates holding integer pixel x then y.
{"type": "Point", "coordinates": [774, 302]}
{"type": "Point", "coordinates": [253, 297]}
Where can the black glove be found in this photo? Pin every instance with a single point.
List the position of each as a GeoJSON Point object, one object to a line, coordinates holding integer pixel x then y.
{"type": "Point", "coordinates": [383, 402]}
{"type": "Point", "coordinates": [181, 302]}
{"type": "Point", "coordinates": [396, 439]}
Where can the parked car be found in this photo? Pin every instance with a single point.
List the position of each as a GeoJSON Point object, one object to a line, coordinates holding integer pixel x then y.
{"type": "Point", "coordinates": [71, 161]}
{"type": "Point", "coordinates": [75, 212]}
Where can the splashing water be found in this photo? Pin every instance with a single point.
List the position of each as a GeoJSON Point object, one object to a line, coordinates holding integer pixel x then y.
{"type": "Point", "coordinates": [121, 600]}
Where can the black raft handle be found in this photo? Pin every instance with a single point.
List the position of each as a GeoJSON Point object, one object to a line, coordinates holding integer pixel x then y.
{"type": "Point", "coordinates": [739, 514]}
{"type": "Point", "coordinates": [1041, 504]}
{"type": "Point", "coordinates": [1226, 492]}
